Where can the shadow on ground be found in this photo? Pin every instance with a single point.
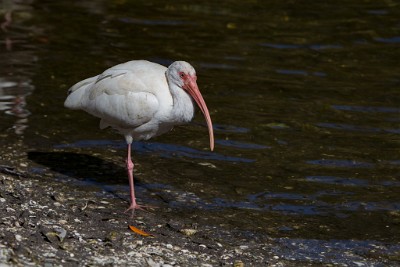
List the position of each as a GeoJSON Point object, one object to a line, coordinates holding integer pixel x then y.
{"type": "Point", "coordinates": [80, 166]}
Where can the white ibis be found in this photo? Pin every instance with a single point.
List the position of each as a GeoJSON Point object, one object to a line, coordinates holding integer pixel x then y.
{"type": "Point", "coordinates": [140, 99]}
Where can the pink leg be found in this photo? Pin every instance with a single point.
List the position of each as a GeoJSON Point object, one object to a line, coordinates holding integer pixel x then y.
{"type": "Point", "coordinates": [129, 166]}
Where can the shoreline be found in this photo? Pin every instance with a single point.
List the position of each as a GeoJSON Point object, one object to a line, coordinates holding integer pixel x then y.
{"type": "Point", "coordinates": [48, 222]}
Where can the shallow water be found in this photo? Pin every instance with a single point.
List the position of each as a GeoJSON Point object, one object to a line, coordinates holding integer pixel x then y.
{"type": "Point", "coordinates": [304, 97]}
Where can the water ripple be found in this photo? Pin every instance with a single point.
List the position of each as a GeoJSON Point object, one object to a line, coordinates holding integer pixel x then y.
{"type": "Point", "coordinates": [350, 127]}
{"type": "Point", "coordinates": [366, 109]}
{"type": "Point", "coordinates": [348, 181]}
{"type": "Point", "coordinates": [300, 72]}
{"type": "Point", "coordinates": [230, 128]}
{"type": "Point", "coordinates": [390, 40]}
{"type": "Point", "coordinates": [296, 46]}
{"type": "Point", "coordinates": [340, 163]}
{"type": "Point", "coordinates": [337, 180]}
{"type": "Point", "coordinates": [151, 22]}
{"type": "Point", "coordinates": [237, 144]}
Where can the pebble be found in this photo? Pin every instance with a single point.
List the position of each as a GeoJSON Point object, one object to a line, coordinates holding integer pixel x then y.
{"type": "Point", "coordinates": [188, 232]}
{"type": "Point", "coordinates": [8, 209]}
{"type": "Point", "coordinates": [238, 263]}
{"type": "Point", "coordinates": [18, 238]}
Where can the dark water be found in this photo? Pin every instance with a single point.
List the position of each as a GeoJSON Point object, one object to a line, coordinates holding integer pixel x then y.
{"type": "Point", "coordinates": [304, 96]}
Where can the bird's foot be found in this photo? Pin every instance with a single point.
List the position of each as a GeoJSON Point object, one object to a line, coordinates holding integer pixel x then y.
{"type": "Point", "coordinates": [135, 206]}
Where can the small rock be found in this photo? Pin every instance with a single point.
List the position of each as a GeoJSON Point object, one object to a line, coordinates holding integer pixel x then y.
{"type": "Point", "coordinates": [188, 232]}
{"type": "Point", "coordinates": [151, 263]}
{"type": "Point", "coordinates": [52, 237]}
{"type": "Point", "coordinates": [112, 236]}
{"type": "Point", "coordinates": [238, 263]}
{"type": "Point", "coordinates": [61, 233]}
{"type": "Point", "coordinates": [68, 246]}
{"type": "Point", "coordinates": [8, 209]}
{"type": "Point", "coordinates": [18, 238]}
{"type": "Point", "coordinates": [238, 251]}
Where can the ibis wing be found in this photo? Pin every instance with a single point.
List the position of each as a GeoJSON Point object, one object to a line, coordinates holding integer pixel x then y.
{"type": "Point", "coordinates": [122, 99]}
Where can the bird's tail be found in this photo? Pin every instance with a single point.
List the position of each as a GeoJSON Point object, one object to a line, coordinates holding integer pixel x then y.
{"type": "Point", "coordinates": [76, 93]}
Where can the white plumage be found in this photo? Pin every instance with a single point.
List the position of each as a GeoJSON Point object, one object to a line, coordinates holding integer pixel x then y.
{"type": "Point", "coordinates": [141, 100]}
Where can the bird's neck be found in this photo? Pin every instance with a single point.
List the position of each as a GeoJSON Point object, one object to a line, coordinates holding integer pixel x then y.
{"type": "Point", "coordinates": [183, 108]}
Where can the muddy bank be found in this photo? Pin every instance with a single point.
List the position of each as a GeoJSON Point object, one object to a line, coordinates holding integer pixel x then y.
{"type": "Point", "coordinates": [47, 222]}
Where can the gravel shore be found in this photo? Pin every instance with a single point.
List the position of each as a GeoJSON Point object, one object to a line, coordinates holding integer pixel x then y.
{"type": "Point", "coordinates": [49, 223]}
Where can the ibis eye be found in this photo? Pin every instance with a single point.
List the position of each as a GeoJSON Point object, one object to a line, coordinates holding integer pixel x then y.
{"type": "Point", "coordinates": [182, 74]}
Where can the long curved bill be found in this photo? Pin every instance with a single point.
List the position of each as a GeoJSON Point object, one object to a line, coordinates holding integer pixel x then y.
{"type": "Point", "coordinates": [194, 91]}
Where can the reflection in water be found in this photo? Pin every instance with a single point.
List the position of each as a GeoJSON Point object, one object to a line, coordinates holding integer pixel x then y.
{"type": "Point", "coordinates": [13, 102]}
{"type": "Point", "coordinates": [15, 70]}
